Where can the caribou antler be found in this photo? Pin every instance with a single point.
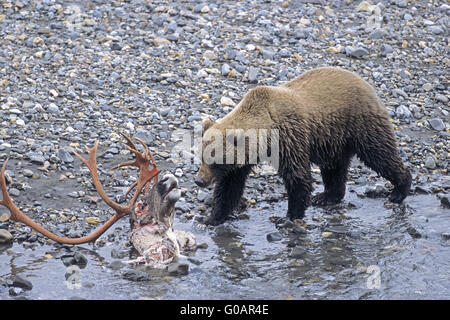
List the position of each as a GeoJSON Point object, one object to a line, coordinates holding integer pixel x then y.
{"type": "Point", "coordinates": [145, 175]}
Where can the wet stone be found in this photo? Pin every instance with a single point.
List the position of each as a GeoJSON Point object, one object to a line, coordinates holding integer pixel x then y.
{"type": "Point", "coordinates": [377, 191]}
{"type": "Point", "coordinates": [118, 254]}
{"type": "Point", "coordinates": [274, 236]}
{"type": "Point", "coordinates": [178, 269]}
{"type": "Point", "coordinates": [14, 292]}
{"type": "Point", "coordinates": [21, 282]}
{"type": "Point", "coordinates": [74, 259]}
{"type": "Point", "coordinates": [297, 253]}
{"type": "Point", "coordinates": [116, 265]}
{"type": "Point", "coordinates": [413, 233]}
{"type": "Point", "coordinates": [338, 229]}
{"type": "Point", "coordinates": [298, 230]}
{"type": "Point", "coordinates": [136, 275]}
{"type": "Point", "coordinates": [445, 201]}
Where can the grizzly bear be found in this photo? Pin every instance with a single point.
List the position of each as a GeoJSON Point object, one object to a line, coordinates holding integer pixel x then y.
{"type": "Point", "coordinates": [324, 116]}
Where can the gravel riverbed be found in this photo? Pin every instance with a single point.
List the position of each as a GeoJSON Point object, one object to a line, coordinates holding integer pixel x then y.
{"type": "Point", "coordinates": [73, 72]}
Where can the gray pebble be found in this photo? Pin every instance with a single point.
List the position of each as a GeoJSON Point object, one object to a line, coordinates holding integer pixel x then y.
{"type": "Point", "coordinates": [436, 30]}
{"type": "Point", "coordinates": [430, 162]}
{"type": "Point", "coordinates": [378, 34]}
{"type": "Point", "coordinates": [253, 74]}
{"type": "Point", "coordinates": [442, 98]}
{"type": "Point", "coordinates": [27, 173]}
{"type": "Point", "coordinates": [401, 3]}
{"type": "Point", "coordinates": [444, 8]}
{"type": "Point", "coordinates": [5, 236]}
{"type": "Point", "coordinates": [14, 192]}
{"type": "Point", "coordinates": [284, 53]}
{"type": "Point", "coordinates": [268, 54]}
{"type": "Point", "coordinates": [356, 52]}
{"type": "Point", "coordinates": [73, 194]}
{"type": "Point", "coordinates": [225, 69]}
{"type": "Point", "coordinates": [36, 158]}
{"type": "Point", "coordinates": [399, 92]}
{"type": "Point", "coordinates": [385, 49]}
{"type": "Point", "coordinates": [402, 112]}
{"type": "Point", "coordinates": [53, 108]}
{"type": "Point", "coordinates": [437, 124]}
{"type": "Point", "coordinates": [144, 135]}
{"type": "Point", "coordinates": [65, 156]}
{"type": "Point", "coordinates": [202, 195]}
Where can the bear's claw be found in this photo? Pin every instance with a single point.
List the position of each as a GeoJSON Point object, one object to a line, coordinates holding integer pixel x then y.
{"type": "Point", "coordinates": [324, 199]}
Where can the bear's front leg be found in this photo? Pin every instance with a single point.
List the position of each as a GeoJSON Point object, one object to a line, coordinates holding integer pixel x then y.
{"type": "Point", "coordinates": [299, 195]}
{"type": "Point", "coordinates": [227, 193]}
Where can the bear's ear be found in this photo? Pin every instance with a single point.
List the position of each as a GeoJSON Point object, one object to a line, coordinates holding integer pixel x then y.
{"type": "Point", "coordinates": [207, 124]}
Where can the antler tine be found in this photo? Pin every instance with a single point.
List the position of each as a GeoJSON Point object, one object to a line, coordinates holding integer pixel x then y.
{"type": "Point", "coordinates": [129, 142]}
{"type": "Point", "coordinates": [142, 162]}
{"type": "Point", "coordinates": [147, 151]}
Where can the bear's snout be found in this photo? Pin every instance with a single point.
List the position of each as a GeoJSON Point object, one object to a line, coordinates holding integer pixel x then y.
{"type": "Point", "coordinates": [200, 182]}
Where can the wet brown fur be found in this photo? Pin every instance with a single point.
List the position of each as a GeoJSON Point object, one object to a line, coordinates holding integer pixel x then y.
{"type": "Point", "coordinates": [324, 116]}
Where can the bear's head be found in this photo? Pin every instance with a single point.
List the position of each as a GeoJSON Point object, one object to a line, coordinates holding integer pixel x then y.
{"type": "Point", "coordinates": [205, 176]}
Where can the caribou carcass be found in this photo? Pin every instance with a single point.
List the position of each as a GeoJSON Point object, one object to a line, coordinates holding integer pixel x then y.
{"type": "Point", "coordinates": [151, 217]}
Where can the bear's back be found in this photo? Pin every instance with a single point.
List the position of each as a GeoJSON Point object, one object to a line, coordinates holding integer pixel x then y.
{"type": "Point", "coordinates": [317, 98]}
{"type": "Point", "coordinates": [331, 89]}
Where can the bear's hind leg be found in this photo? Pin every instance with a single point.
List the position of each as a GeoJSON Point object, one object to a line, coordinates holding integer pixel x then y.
{"type": "Point", "coordinates": [334, 179]}
{"type": "Point", "coordinates": [227, 194]}
{"type": "Point", "coordinates": [384, 160]}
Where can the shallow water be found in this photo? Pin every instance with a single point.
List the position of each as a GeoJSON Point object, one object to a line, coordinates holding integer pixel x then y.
{"type": "Point", "coordinates": [360, 249]}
